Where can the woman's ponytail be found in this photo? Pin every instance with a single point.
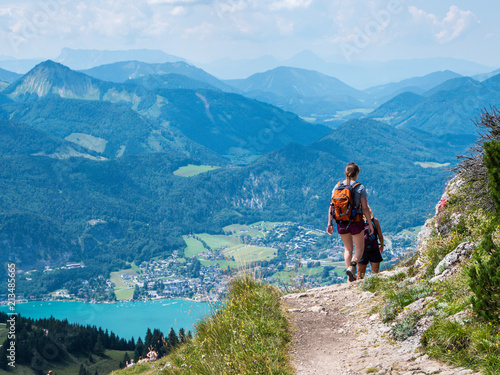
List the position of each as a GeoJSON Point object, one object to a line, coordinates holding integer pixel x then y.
{"type": "Point", "coordinates": [351, 171]}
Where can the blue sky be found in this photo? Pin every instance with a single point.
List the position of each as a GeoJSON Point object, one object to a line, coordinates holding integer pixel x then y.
{"type": "Point", "coordinates": [203, 30]}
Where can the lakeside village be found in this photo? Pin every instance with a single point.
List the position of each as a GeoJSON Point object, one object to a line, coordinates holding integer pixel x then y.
{"type": "Point", "coordinates": [284, 254]}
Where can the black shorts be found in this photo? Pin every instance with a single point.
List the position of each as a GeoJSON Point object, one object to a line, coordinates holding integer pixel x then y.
{"type": "Point", "coordinates": [371, 257]}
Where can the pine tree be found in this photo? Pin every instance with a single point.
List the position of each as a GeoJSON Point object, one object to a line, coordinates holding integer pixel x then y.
{"type": "Point", "coordinates": [157, 339]}
{"type": "Point", "coordinates": [99, 346]}
{"type": "Point", "coordinates": [148, 340]}
{"type": "Point", "coordinates": [492, 162]}
{"type": "Point", "coordinates": [82, 370]}
{"type": "Point", "coordinates": [136, 292]}
{"type": "Point", "coordinates": [139, 348]}
{"type": "Point", "coordinates": [182, 335]}
{"type": "Point", "coordinates": [485, 281]}
{"type": "Point", "coordinates": [485, 273]}
{"type": "Point", "coordinates": [173, 340]}
{"type": "Point", "coordinates": [3, 356]}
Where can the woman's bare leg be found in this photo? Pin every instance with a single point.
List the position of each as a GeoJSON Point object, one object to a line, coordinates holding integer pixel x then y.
{"type": "Point", "coordinates": [348, 247]}
{"type": "Point", "coordinates": [375, 267]}
{"type": "Point", "coordinates": [359, 246]}
{"type": "Point", "coordinates": [361, 271]}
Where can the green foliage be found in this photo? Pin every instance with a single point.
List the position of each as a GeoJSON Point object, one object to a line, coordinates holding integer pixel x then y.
{"type": "Point", "coordinates": [249, 334]}
{"type": "Point", "coordinates": [492, 162]}
{"type": "Point", "coordinates": [370, 283]}
{"type": "Point", "coordinates": [464, 344]}
{"type": "Point", "coordinates": [402, 295]}
{"type": "Point", "coordinates": [397, 293]}
{"type": "Point", "coordinates": [485, 272]}
{"type": "Point", "coordinates": [485, 280]}
{"type": "Point", "coordinates": [406, 327]}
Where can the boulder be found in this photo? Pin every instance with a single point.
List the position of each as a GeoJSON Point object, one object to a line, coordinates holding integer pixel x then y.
{"type": "Point", "coordinates": [448, 265]}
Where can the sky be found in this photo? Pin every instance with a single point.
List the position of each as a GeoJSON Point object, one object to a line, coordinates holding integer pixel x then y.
{"type": "Point", "coordinates": [207, 30]}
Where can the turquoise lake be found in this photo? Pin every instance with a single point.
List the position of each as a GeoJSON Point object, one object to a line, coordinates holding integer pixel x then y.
{"type": "Point", "coordinates": [127, 320]}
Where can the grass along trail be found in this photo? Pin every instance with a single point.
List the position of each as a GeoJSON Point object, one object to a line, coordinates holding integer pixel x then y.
{"type": "Point", "coordinates": [335, 332]}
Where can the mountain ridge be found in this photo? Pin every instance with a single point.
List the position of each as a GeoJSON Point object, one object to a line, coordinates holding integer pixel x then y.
{"type": "Point", "coordinates": [226, 123]}
{"type": "Point", "coordinates": [78, 59]}
{"type": "Point", "coordinates": [123, 71]}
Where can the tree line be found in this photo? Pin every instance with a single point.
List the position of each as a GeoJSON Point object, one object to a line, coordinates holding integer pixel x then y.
{"type": "Point", "coordinates": [51, 340]}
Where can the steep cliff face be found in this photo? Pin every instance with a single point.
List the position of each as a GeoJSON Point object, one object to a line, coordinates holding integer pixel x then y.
{"type": "Point", "coordinates": [32, 242]}
{"type": "Point", "coordinates": [443, 222]}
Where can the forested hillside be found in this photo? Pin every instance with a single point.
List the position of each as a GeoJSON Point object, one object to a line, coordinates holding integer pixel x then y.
{"type": "Point", "coordinates": [96, 168]}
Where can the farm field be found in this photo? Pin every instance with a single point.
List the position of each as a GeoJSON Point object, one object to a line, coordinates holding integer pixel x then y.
{"type": "Point", "coordinates": [191, 170]}
{"type": "Point", "coordinates": [122, 290]}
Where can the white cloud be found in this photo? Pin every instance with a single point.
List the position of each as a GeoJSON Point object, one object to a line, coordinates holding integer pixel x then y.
{"type": "Point", "coordinates": [230, 6]}
{"type": "Point", "coordinates": [285, 27]}
{"type": "Point", "coordinates": [453, 25]}
{"type": "Point", "coordinates": [175, 2]}
{"type": "Point", "coordinates": [289, 4]}
{"type": "Point", "coordinates": [178, 11]}
{"type": "Point", "coordinates": [201, 31]}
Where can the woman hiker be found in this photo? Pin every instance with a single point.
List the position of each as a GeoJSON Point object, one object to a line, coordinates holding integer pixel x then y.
{"type": "Point", "coordinates": [351, 228]}
{"type": "Point", "coordinates": [373, 251]}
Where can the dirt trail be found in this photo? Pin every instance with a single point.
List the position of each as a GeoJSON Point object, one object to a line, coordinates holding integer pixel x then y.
{"type": "Point", "coordinates": [336, 334]}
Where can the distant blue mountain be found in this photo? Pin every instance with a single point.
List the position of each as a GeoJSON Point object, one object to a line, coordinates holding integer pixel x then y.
{"type": "Point", "coordinates": [417, 85]}
{"type": "Point", "coordinates": [493, 83]}
{"type": "Point", "coordinates": [79, 59]}
{"type": "Point", "coordinates": [8, 77]}
{"type": "Point", "coordinates": [485, 76]}
{"type": "Point", "coordinates": [358, 74]}
{"type": "Point", "coordinates": [305, 92]}
{"type": "Point", "coordinates": [229, 124]}
{"type": "Point", "coordinates": [172, 81]}
{"type": "Point", "coordinates": [295, 82]}
{"type": "Point", "coordinates": [447, 110]}
{"type": "Point", "coordinates": [397, 106]}
{"type": "Point", "coordinates": [456, 84]}
{"type": "Point", "coordinates": [20, 66]}
{"type": "Point", "coordinates": [128, 70]}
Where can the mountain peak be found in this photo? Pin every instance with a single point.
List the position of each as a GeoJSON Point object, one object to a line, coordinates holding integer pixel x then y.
{"type": "Point", "coordinates": [290, 81]}
{"type": "Point", "coordinates": [52, 78]}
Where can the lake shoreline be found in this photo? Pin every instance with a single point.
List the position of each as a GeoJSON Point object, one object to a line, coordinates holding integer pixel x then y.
{"type": "Point", "coordinates": [205, 300]}
{"type": "Point", "coordinates": [125, 319]}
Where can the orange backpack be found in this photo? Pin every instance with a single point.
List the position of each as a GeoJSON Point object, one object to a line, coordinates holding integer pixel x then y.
{"type": "Point", "coordinates": [342, 205]}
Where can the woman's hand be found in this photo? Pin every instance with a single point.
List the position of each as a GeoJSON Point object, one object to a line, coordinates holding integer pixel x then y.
{"type": "Point", "coordinates": [370, 228]}
{"type": "Point", "coordinates": [329, 229]}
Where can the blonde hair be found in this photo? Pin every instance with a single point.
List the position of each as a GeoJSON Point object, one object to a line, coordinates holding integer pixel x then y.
{"type": "Point", "coordinates": [369, 212]}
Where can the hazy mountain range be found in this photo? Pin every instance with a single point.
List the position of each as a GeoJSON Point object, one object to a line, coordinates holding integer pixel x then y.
{"type": "Point", "coordinates": [359, 74]}
{"type": "Point", "coordinates": [104, 144]}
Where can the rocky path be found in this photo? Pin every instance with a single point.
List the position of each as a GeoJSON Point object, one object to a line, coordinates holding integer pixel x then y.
{"type": "Point", "coordinates": [335, 333]}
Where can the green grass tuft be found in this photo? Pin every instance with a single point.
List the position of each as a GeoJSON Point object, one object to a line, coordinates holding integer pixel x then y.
{"type": "Point", "coordinates": [248, 335]}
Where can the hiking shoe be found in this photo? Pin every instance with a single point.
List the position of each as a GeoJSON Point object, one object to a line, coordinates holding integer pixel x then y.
{"type": "Point", "coordinates": [350, 273]}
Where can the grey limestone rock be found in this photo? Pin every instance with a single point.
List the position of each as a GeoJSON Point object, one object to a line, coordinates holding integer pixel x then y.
{"type": "Point", "coordinates": [447, 266]}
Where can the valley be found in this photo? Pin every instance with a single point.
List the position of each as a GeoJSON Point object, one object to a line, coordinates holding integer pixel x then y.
{"type": "Point", "coordinates": [136, 181]}
{"type": "Point", "coordinates": [288, 255]}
